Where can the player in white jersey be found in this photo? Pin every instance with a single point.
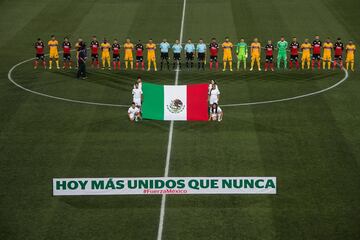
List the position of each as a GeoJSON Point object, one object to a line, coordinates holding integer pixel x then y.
{"type": "Point", "coordinates": [214, 95]}
{"type": "Point", "coordinates": [137, 95]}
{"type": "Point", "coordinates": [215, 114]}
{"type": "Point", "coordinates": [134, 113]}
{"type": "Point", "coordinates": [139, 82]}
{"type": "Point", "coordinates": [211, 83]}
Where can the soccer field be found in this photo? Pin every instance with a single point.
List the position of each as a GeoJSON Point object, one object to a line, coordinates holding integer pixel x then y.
{"type": "Point", "coordinates": [311, 144]}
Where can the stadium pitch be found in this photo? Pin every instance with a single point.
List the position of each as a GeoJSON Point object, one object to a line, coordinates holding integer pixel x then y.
{"type": "Point", "coordinates": [300, 126]}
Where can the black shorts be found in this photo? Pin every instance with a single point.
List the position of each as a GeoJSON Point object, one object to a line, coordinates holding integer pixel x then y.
{"type": "Point", "coordinates": [201, 56]}
{"type": "Point", "coordinates": [269, 59]}
{"type": "Point", "coordinates": [116, 57]}
{"type": "Point", "coordinates": [95, 56]}
{"type": "Point", "coordinates": [316, 57]}
{"type": "Point", "coordinates": [139, 58]}
{"type": "Point", "coordinates": [177, 56]}
{"type": "Point", "coordinates": [338, 57]}
{"type": "Point", "coordinates": [189, 56]}
{"type": "Point", "coordinates": [213, 58]}
{"type": "Point", "coordinates": [66, 56]}
{"type": "Point", "coordinates": [40, 57]}
{"type": "Point", "coordinates": [164, 56]}
{"type": "Point", "coordinates": [294, 58]}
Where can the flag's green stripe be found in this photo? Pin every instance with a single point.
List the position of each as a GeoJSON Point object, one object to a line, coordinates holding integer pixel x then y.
{"type": "Point", "coordinates": [153, 103]}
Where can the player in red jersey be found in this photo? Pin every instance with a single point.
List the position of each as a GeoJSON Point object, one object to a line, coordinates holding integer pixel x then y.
{"type": "Point", "coordinates": [338, 48]}
{"type": "Point", "coordinates": [214, 49]}
{"type": "Point", "coordinates": [39, 46]}
{"type": "Point", "coordinates": [66, 53]}
{"type": "Point", "coordinates": [316, 46]}
{"type": "Point", "coordinates": [269, 52]}
{"type": "Point", "coordinates": [94, 46]}
{"type": "Point", "coordinates": [139, 48]}
{"type": "Point", "coordinates": [116, 54]}
{"type": "Point", "coordinates": [294, 53]}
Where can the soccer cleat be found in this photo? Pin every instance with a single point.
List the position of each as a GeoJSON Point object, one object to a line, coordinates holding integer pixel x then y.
{"type": "Point", "coordinates": [224, 70]}
{"type": "Point", "coordinates": [70, 67]}
{"type": "Point", "coordinates": [231, 70]}
{"type": "Point", "coordinates": [109, 68]}
{"type": "Point", "coordinates": [103, 68]}
{"type": "Point", "coordinates": [272, 69]}
{"type": "Point", "coordinates": [50, 68]}
{"type": "Point", "coordinates": [265, 70]}
{"type": "Point", "coordinates": [148, 69]}
{"type": "Point", "coordinates": [259, 69]}
{"type": "Point", "coordinates": [251, 69]}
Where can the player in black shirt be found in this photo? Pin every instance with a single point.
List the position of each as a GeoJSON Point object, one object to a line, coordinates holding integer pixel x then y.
{"type": "Point", "coordinates": [139, 49]}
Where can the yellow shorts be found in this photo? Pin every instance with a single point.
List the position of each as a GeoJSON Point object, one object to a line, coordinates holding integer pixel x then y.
{"type": "Point", "coordinates": [227, 57]}
{"type": "Point", "coordinates": [128, 57]}
{"type": "Point", "coordinates": [350, 59]}
{"type": "Point", "coordinates": [327, 57]}
{"type": "Point", "coordinates": [105, 55]}
{"type": "Point", "coordinates": [151, 57]}
{"type": "Point", "coordinates": [255, 57]}
{"type": "Point", "coordinates": [305, 57]}
{"type": "Point", "coordinates": [54, 54]}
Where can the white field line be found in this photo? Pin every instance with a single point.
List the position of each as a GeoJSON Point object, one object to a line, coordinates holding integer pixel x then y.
{"type": "Point", "coordinates": [168, 152]}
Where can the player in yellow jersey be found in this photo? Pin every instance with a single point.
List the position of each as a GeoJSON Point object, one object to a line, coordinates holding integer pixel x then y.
{"type": "Point", "coordinates": [151, 47]}
{"type": "Point", "coordinates": [255, 50]}
{"type": "Point", "coordinates": [327, 49]}
{"type": "Point", "coordinates": [54, 53]}
{"type": "Point", "coordinates": [105, 54]}
{"type": "Point", "coordinates": [77, 47]}
{"type": "Point", "coordinates": [227, 56]}
{"type": "Point", "coordinates": [350, 55]}
{"type": "Point", "coordinates": [306, 54]}
{"type": "Point", "coordinates": [128, 47]}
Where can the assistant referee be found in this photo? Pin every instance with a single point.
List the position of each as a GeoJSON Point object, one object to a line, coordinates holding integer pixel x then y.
{"type": "Point", "coordinates": [82, 61]}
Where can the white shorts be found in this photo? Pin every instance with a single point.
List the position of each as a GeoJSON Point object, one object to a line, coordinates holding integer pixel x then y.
{"type": "Point", "coordinates": [213, 100]}
{"type": "Point", "coordinates": [132, 117]}
{"type": "Point", "coordinates": [137, 101]}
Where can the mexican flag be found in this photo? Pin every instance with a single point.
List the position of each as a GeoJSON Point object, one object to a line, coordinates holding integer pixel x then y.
{"type": "Point", "coordinates": [175, 102]}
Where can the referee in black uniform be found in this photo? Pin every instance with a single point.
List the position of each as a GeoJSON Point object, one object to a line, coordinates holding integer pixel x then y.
{"type": "Point", "coordinates": [82, 61]}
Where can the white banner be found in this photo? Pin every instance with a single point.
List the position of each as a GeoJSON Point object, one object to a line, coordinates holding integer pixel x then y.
{"type": "Point", "coordinates": [162, 185]}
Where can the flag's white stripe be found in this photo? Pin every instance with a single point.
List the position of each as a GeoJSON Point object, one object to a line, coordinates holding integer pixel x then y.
{"type": "Point", "coordinates": [172, 94]}
{"type": "Point", "coordinates": [168, 153]}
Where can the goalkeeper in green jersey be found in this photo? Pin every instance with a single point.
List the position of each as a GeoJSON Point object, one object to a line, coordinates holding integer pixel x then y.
{"type": "Point", "coordinates": [241, 51]}
{"type": "Point", "coordinates": [282, 47]}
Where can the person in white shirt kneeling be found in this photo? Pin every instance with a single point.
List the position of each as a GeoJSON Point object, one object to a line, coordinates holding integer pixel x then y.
{"type": "Point", "coordinates": [134, 113]}
{"type": "Point", "coordinates": [215, 114]}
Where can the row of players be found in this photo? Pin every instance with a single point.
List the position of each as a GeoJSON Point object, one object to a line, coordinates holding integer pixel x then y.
{"type": "Point", "coordinates": [215, 112]}
{"type": "Point", "coordinates": [311, 52]}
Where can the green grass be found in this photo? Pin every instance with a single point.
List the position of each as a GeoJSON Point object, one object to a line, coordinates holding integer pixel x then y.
{"type": "Point", "coordinates": [311, 145]}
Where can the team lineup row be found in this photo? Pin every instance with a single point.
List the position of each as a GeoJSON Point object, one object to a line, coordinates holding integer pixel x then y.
{"type": "Point", "coordinates": [311, 53]}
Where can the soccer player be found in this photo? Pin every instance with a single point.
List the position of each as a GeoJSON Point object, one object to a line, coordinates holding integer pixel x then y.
{"type": "Point", "coordinates": [294, 53]}
{"type": "Point", "coordinates": [316, 47]}
{"type": "Point", "coordinates": [201, 51]}
{"type": "Point", "coordinates": [350, 55]}
{"type": "Point", "coordinates": [105, 54]}
{"type": "Point", "coordinates": [189, 50]}
{"type": "Point", "coordinates": [139, 83]}
{"type": "Point", "coordinates": [137, 95]}
{"type": "Point", "coordinates": [139, 48]}
{"type": "Point", "coordinates": [216, 114]}
{"type": "Point", "coordinates": [214, 49]}
{"type": "Point", "coordinates": [77, 47]}
{"type": "Point", "coordinates": [39, 46]}
{"type": "Point", "coordinates": [134, 113]}
{"type": "Point", "coordinates": [66, 53]}
{"type": "Point", "coordinates": [269, 55]}
{"type": "Point", "coordinates": [214, 94]}
{"type": "Point", "coordinates": [338, 49]}
{"type": "Point", "coordinates": [129, 47]}
{"type": "Point", "coordinates": [94, 46]}
{"type": "Point", "coordinates": [164, 53]}
{"type": "Point", "coordinates": [116, 54]}
{"type": "Point", "coordinates": [327, 49]}
{"type": "Point", "coordinates": [54, 53]}
{"type": "Point", "coordinates": [227, 56]}
{"type": "Point", "coordinates": [151, 47]}
{"type": "Point", "coordinates": [82, 60]}
{"type": "Point", "coordinates": [241, 52]}
{"type": "Point", "coordinates": [255, 49]}
{"type": "Point", "coordinates": [282, 46]}
{"type": "Point", "coordinates": [306, 54]}
{"type": "Point", "coordinates": [177, 54]}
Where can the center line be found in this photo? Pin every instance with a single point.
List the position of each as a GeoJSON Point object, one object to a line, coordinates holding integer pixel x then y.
{"type": "Point", "coordinates": [171, 130]}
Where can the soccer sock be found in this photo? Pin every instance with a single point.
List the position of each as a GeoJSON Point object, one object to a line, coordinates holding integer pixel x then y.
{"type": "Point", "coordinates": [126, 64]}
{"type": "Point", "coordinates": [217, 65]}
{"type": "Point", "coordinates": [341, 64]}
{"type": "Point", "coordinates": [224, 65]}
{"type": "Point", "coordinates": [258, 63]}
{"type": "Point", "coordinates": [203, 65]}
{"type": "Point", "coordinates": [324, 63]}
{"type": "Point", "coordinates": [266, 65]}
{"type": "Point", "coordinates": [154, 65]}
{"type": "Point", "coordinates": [272, 65]}
{"type": "Point", "coordinates": [36, 64]}
{"type": "Point", "coordinates": [211, 65]}
{"type": "Point", "coordinates": [352, 66]}
{"type": "Point", "coordinates": [137, 65]}
{"type": "Point", "coordinates": [252, 63]}
{"type": "Point", "coordinates": [297, 64]}
{"type": "Point", "coordinates": [347, 66]}
{"type": "Point", "coordinates": [50, 64]}
{"type": "Point", "coordinates": [57, 63]}
{"type": "Point", "coordinates": [290, 64]}
{"type": "Point", "coordinates": [143, 65]}
{"type": "Point", "coordinates": [119, 64]}
{"type": "Point", "coordinates": [308, 63]}
{"type": "Point", "coordinates": [131, 64]}
{"type": "Point", "coordinates": [334, 66]}
{"type": "Point", "coordinates": [318, 64]}
{"type": "Point", "coordinates": [230, 65]}
{"type": "Point", "coordinates": [329, 64]}
{"type": "Point", "coordinates": [278, 64]}
{"type": "Point", "coordinates": [313, 63]}
{"type": "Point", "coordinates": [285, 64]}
{"type": "Point", "coordinates": [303, 65]}
{"type": "Point", "coordinates": [97, 63]}
{"type": "Point", "coordinates": [108, 62]}
{"type": "Point", "coordinates": [187, 64]}
{"type": "Point", "coordinates": [244, 65]}
{"type": "Point", "coordinates": [238, 65]}
{"type": "Point", "coordinates": [114, 65]}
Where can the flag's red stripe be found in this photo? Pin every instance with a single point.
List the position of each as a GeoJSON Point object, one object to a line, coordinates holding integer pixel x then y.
{"type": "Point", "coordinates": [197, 102]}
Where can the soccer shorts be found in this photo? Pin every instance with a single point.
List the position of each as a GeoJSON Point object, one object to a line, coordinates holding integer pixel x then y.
{"type": "Point", "coordinates": [129, 56]}
{"type": "Point", "coordinates": [227, 57]}
{"type": "Point", "coordinates": [139, 58]}
{"type": "Point", "coordinates": [54, 54]}
{"type": "Point", "coordinates": [116, 57]}
{"type": "Point", "coordinates": [327, 57]}
{"type": "Point", "coordinates": [201, 56]}
{"type": "Point", "coordinates": [255, 57]}
{"type": "Point", "coordinates": [105, 55]}
{"type": "Point", "coordinates": [137, 101]}
{"type": "Point", "coordinates": [338, 57]}
{"type": "Point", "coordinates": [316, 57]}
{"type": "Point", "coordinates": [40, 57]}
{"type": "Point", "coordinates": [66, 57]}
{"type": "Point", "coordinates": [281, 56]}
{"type": "Point", "coordinates": [241, 57]}
{"type": "Point", "coordinates": [213, 100]}
{"type": "Point", "coordinates": [294, 58]}
{"type": "Point", "coordinates": [94, 56]}
{"type": "Point", "coordinates": [189, 56]}
{"type": "Point", "coordinates": [177, 57]}
{"type": "Point", "coordinates": [269, 59]}
{"type": "Point", "coordinates": [151, 56]}
{"type": "Point", "coordinates": [213, 58]}
{"type": "Point", "coordinates": [350, 59]}
{"type": "Point", "coordinates": [164, 56]}
{"type": "Point", "coordinates": [305, 58]}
